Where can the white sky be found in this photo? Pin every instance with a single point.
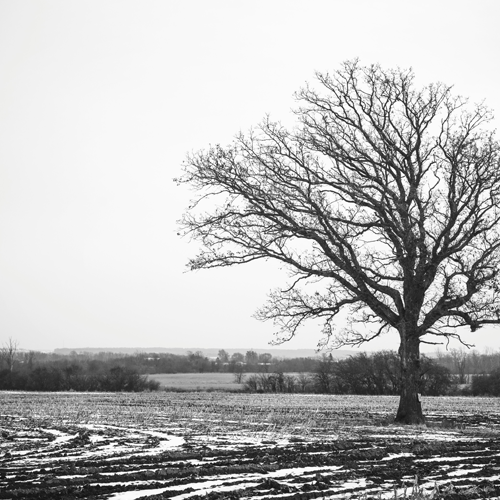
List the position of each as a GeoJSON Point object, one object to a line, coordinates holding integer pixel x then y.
{"type": "Point", "coordinates": [101, 100]}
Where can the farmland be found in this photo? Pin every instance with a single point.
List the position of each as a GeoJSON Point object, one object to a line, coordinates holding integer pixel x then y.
{"type": "Point", "coordinates": [222, 445]}
{"type": "Point", "coordinates": [222, 381]}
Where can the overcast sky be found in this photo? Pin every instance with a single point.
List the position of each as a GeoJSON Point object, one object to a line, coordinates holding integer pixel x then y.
{"type": "Point", "coordinates": [101, 100]}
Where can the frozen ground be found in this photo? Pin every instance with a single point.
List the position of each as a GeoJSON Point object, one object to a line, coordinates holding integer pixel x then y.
{"type": "Point", "coordinates": [214, 445]}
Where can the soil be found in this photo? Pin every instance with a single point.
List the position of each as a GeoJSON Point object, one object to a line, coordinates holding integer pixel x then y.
{"type": "Point", "coordinates": [71, 456]}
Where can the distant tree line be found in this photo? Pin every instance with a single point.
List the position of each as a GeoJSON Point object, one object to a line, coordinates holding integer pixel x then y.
{"type": "Point", "coordinates": [455, 372]}
{"type": "Point", "coordinates": [37, 371]}
{"type": "Point", "coordinates": [105, 371]}
{"type": "Point", "coordinates": [467, 365]}
{"type": "Point", "coordinates": [452, 372]}
{"type": "Point", "coordinates": [376, 374]}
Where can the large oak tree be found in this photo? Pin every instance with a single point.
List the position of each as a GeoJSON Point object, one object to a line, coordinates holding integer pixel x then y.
{"type": "Point", "coordinates": [383, 202]}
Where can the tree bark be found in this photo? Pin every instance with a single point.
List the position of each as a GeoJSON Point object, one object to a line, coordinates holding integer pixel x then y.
{"type": "Point", "coordinates": [410, 407]}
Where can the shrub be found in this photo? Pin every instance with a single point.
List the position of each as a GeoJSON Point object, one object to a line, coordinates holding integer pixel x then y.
{"type": "Point", "coordinates": [486, 385]}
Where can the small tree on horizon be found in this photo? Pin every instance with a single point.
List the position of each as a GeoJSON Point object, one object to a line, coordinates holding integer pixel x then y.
{"type": "Point", "coordinates": [383, 203]}
{"type": "Point", "coordinates": [251, 358]}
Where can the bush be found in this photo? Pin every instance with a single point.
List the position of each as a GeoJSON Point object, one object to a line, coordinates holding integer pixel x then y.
{"type": "Point", "coordinates": [486, 385]}
{"type": "Point", "coordinates": [61, 375]}
{"type": "Point", "coordinates": [272, 382]}
{"type": "Point", "coordinates": [377, 374]}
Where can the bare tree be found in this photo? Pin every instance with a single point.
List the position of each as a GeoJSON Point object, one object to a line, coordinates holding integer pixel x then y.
{"type": "Point", "coordinates": [8, 353]}
{"type": "Point", "coordinates": [238, 373]}
{"type": "Point", "coordinates": [29, 358]}
{"type": "Point", "coordinates": [459, 358]}
{"type": "Point", "coordinates": [383, 203]}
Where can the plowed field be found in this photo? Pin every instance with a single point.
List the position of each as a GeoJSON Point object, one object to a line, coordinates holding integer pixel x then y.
{"type": "Point", "coordinates": [216, 445]}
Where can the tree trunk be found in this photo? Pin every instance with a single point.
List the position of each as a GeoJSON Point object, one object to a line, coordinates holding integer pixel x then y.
{"type": "Point", "coordinates": [410, 408]}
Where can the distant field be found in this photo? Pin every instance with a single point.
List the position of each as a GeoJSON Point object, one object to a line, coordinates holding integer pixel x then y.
{"type": "Point", "coordinates": [193, 381]}
{"type": "Point", "coordinates": [201, 381]}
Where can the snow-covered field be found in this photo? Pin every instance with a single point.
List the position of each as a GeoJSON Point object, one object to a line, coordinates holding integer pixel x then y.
{"type": "Point", "coordinates": [220, 445]}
